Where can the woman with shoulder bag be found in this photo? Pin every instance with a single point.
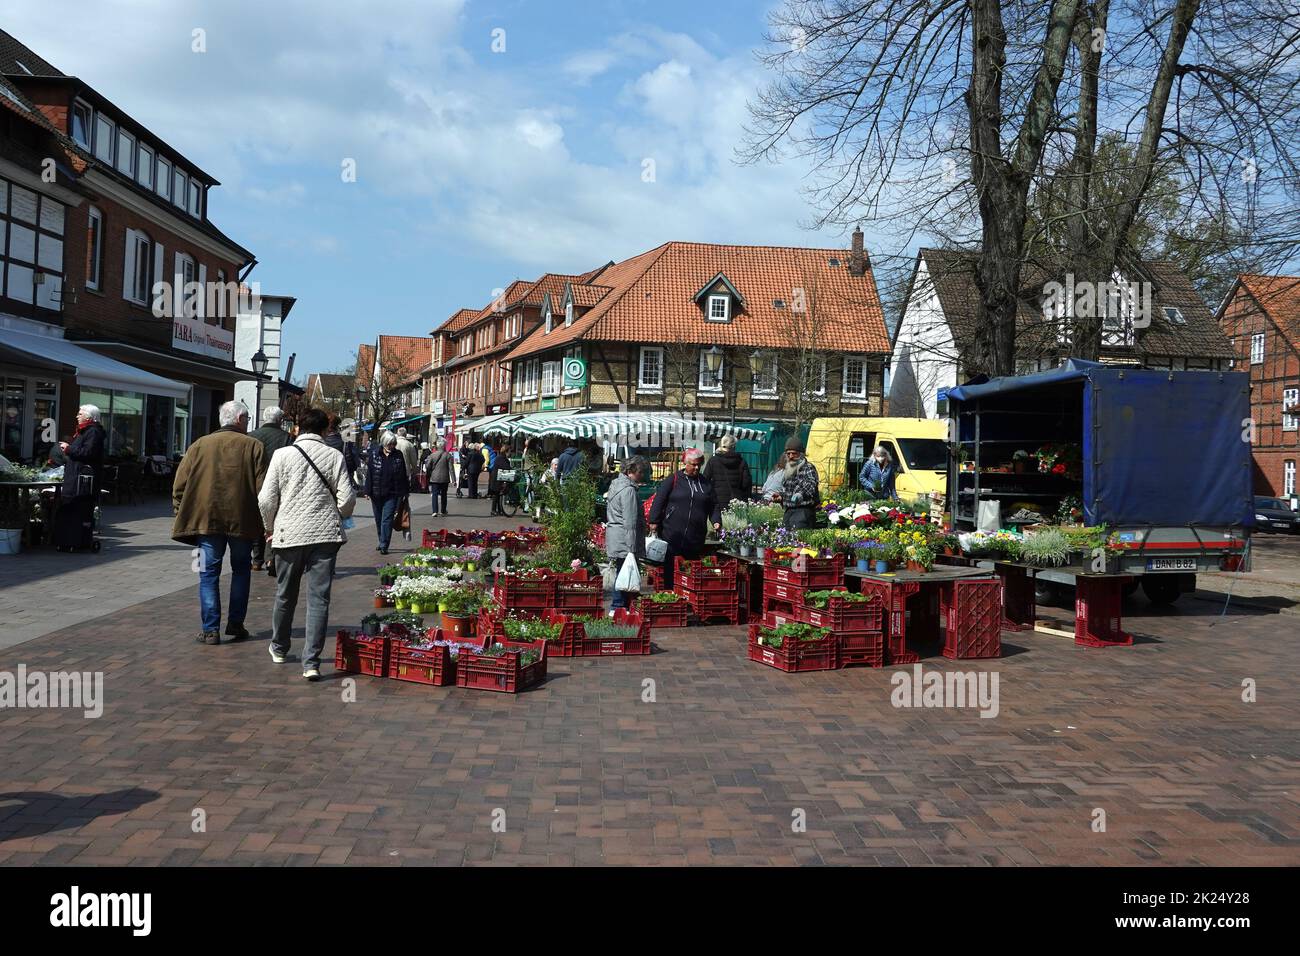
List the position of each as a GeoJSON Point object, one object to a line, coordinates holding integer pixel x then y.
{"type": "Point", "coordinates": [307, 501]}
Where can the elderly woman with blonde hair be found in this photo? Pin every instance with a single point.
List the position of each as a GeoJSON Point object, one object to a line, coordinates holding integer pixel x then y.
{"type": "Point", "coordinates": [387, 485]}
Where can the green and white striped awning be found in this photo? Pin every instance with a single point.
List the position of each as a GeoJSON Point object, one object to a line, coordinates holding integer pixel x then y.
{"type": "Point", "coordinates": [643, 429]}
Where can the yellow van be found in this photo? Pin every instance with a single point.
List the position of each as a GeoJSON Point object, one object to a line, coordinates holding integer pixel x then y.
{"type": "Point", "coordinates": [840, 446]}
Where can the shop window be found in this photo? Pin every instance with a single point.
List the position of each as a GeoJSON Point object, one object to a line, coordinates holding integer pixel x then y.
{"type": "Point", "coordinates": [14, 414]}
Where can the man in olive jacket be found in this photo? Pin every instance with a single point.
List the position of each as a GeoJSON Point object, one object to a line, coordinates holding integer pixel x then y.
{"type": "Point", "coordinates": [215, 499]}
{"type": "Point", "coordinates": [273, 437]}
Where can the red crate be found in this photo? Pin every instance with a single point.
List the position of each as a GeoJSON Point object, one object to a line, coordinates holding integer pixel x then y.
{"type": "Point", "coordinates": [654, 574]}
{"type": "Point", "coordinates": [776, 605]}
{"type": "Point", "coordinates": [489, 625]}
{"type": "Point", "coordinates": [663, 615]}
{"type": "Point", "coordinates": [713, 605]}
{"type": "Point", "coordinates": [808, 572]}
{"type": "Point", "coordinates": [431, 665]}
{"type": "Point", "coordinates": [840, 615]}
{"type": "Point", "coordinates": [1097, 611]}
{"type": "Point", "coordinates": [570, 631]}
{"type": "Point", "coordinates": [970, 619]}
{"type": "Point", "coordinates": [510, 591]}
{"type": "Point", "coordinates": [503, 674]}
{"type": "Point", "coordinates": [793, 656]}
{"type": "Point", "coordinates": [788, 593]}
{"type": "Point", "coordinates": [594, 647]}
{"type": "Point", "coordinates": [698, 577]}
{"type": "Point", "coordinates": [358, 654]}
{"type": "Point", "coordinates": [860, 648]}
{"type": "Point", "coordinates": [578, 595]}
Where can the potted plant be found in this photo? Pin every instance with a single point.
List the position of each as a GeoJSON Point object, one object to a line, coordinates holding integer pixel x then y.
{"type": "Point", "coordinates": [460, 604]}
{"type": "Point", "coordinates": [13, 516]}
{"type": "Point", "coordinates": [865, 552]}
{"type": "Point", "coordinates": [1020, 462]}
{"type": "Point", "coordinates": [381, 596]}
{"type": "Point", "coordinates": [1048, 548]}
{"type": "Point", "coordinates": [920, 558]}
{"type": "Point", "coordinates": [370, 624]}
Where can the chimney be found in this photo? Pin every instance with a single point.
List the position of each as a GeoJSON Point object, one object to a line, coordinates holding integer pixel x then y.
{"type": "Point", "coordinates": [857, 258]}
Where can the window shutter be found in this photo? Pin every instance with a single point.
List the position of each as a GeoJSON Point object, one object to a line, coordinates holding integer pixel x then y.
{"type": "Point", "coordinates": [203, 284]}
{"type": "Point", "coordinates": [128, 266]}
{"type": "Point", "coordinates": [159, 270]}
{"type": "Point", "coordinates": [178, 285]}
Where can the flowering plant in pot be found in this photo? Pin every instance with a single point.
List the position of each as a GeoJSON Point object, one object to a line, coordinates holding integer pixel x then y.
{"type": "Point", "coordinates": [920, 557]}
{"type": "Point", "coordinates": [383, 596]}
{"type": "Point", "coordinates": [869, 554]}
{"type": "Point", "coordinates": [460, 604]}
{"type": "Point", "coordinates": [527, 630]}
{"type": "Point", "coordinates": [473, 555]}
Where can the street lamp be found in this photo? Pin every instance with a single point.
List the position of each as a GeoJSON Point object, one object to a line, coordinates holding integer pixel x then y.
{"type": "Point", "coordinates": [362, 394]}
{"type": "Point", "coordinates": [259, 362]}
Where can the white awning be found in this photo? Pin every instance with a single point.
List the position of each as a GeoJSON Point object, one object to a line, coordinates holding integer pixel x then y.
{"type": "Point", "coordinates": [652, 429]}
{"type": "Point", "coordinates": [93, 370]}
{"type": "Point", "coordinates": [488, 425]}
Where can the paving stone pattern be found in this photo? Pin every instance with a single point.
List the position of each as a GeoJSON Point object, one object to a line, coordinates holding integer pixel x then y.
{"type": "Point", "coordinates": [716, 770]}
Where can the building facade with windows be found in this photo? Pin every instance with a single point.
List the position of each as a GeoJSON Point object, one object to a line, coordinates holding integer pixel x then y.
{"type": "Point", "coordinates": [147, 281]}
{"type": "Point", "coordinates": [934, 338]}
{"type": "Point", "coordinates": [776, 333]}
{"type": "Point", "coordinates": [1261, 317]}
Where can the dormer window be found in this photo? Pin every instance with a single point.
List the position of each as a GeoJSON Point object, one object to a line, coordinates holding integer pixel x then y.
{"type": "Point", "coordinates": [568, 313]}
{"type": "Point", "coordinates": [546, 314]}
{"type": "Point", "coordinates": [1175, 315]}
{"type": "Point", "coordinates": [719, 308]}
{"type": "Point", "coordinates": [718, 299]}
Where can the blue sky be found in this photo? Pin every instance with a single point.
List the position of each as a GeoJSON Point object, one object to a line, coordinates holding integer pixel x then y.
{"type": "Point", "coordinates": [474, 167]}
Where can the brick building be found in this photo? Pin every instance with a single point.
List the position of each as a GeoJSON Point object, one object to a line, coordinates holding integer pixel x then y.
{"type": "Point", "coordinates": [1261, 317]}
{"type": "Point", "coordinates": [144, 280]}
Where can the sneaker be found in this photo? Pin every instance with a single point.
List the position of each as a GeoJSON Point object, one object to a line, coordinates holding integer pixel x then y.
{"type": "Point", "coordinates": [210, 637]}
{"type": "Point", "coordinates": [276, 656]}
{"type": "Point", "coordinates": [312, 674]}
{"type": "Point", "coordinates": [236, 632]}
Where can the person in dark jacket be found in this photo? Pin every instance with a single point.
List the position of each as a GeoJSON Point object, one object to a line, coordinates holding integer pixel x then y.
{"type": "Point", "coordinates": [472, 461]}
{"type": "Point", "coordinates": [387, 483]}
{"type": "Point", "coordinates": [496, 458]}
{"type": "Point", "coordinates": [684, 507]}
{"type": "Point", "coordinates": [878, 475]}
{"type": "Point", "coordinates": [729, 473]}
{"type": "Point", "coordinates": [83, 467]}
{"type": "Point", "coordinates": [273, 437]}
{"type": "Point", "coordinates": [571, 460]}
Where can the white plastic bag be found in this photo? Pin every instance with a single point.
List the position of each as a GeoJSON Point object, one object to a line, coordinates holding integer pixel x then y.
{"type": "Point", "coordinates": [656, 549]}
{"type": "Point", "coordinates": [607, 576]}
{"type": "Point", "coordinates": [629, 576]}
{"type": "Point", "coordinates": [990, 516]}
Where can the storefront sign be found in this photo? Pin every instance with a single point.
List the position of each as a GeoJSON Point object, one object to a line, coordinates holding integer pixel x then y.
{"type": "Point", "coordinates": [575, 372]}
{"type": "Point", "coordinates": [548, 404]}
{"type": "Point", "coordinates": [195, 335]}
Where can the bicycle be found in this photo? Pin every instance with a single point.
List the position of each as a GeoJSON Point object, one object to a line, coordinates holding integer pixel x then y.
{"type": "Point", "coordinates": [510, 498]}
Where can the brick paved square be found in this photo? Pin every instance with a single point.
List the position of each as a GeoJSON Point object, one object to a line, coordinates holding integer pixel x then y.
{"type": "Point", "coordinates": [717, 770]}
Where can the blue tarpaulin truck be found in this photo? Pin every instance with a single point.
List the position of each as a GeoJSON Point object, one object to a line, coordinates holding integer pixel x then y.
{"type": "Point", "coordinates": [1161, 458]}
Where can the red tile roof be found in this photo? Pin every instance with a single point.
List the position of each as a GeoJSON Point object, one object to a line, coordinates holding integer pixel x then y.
{"type": "Point", "coordinates": [586, 296]}
{"type": "Point", "coordinates": [459, 319]}
{"type": "Point", "coordinates": [650, 300]}
{"type": "Point", "coordinates": [365, 364]}
{"type": "Point", "coordinates": [1279, 297]}
{"type": "Point", "coordinates": [408, 353]}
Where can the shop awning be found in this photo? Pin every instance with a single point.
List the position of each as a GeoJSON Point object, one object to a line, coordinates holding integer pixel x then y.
{"type": "Point", "coordinates": [492, 425]}
{"type": "Point", "coordinates": [92, 369]}
{"type": "Point", "coordinates": [646, 429]}
{"type": "Point", "coordinates": [400, 421]}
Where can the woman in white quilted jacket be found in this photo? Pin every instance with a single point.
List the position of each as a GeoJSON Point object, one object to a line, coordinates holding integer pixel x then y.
{"type": "Point", "coordinates": [306, 500]}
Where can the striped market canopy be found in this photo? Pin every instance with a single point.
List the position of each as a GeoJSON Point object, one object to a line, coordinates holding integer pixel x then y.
{"type": "Point", "coordinates": [649, 429]}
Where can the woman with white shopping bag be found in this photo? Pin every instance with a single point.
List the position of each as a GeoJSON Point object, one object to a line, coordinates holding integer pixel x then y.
{"type": "Point", "coordinates": [625, 529]}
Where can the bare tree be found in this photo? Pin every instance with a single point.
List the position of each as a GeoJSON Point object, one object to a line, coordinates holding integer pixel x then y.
{"type": "Point", "coordinates": [947, 116]}
{"type": "Point", "coordinates": [388, 388]}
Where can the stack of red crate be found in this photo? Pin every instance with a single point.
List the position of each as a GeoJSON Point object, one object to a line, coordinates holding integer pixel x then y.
{"type": "Point", "coordinates": [970, 619]}
{"type": "Point", "coordinates": [710, 589]}
{"type": "Point", "coordinates": [663, 615]}
{"type": "Point", "coordinates": [793, 656]}
{"type": "Point", "coordinates": [784, 587]}
{"type": "Point", "coordinates": [578, 591]}
{"type": "Point", "coordinates": [358, 654]}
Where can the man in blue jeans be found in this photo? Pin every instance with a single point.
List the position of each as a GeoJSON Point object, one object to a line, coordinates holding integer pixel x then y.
{"type": "Point", "coordinates": [215, 500]}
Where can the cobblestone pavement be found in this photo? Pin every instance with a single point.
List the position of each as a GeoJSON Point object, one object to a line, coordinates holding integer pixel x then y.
{"type": "Point", "coordinates": [720, 768]}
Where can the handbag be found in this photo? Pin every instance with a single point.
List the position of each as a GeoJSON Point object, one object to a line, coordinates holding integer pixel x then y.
{"type": "Point", "coordinates": [402, 516]}
{"type": "Point", "coordinates": [629, 575]}
{"type": "Point", "coordinates": [656, 549]}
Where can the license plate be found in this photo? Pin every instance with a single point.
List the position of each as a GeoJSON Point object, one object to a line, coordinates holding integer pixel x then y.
{"type": "Point", "coordinates": [1171, 564]}
{"type": "Point", "coordinates": [1280, 524]}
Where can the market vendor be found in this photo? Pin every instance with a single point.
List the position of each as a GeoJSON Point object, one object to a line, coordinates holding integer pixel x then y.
{"type": "Point", "coordinates": [878, 475]}
{"type": "Point", "coordinates": [800, 491]}
{"type": "Point", "coordinates": [684, 507]}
